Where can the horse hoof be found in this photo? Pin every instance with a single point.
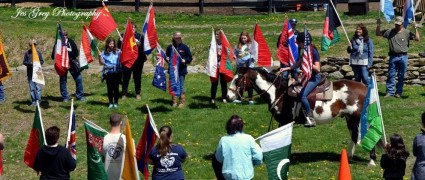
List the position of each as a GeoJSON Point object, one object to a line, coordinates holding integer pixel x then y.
{"type": "Point", "coordinates": [309, 125]}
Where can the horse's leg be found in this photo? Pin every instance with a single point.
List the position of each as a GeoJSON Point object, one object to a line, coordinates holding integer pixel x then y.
{"type": "Point", "coordinates": [352, 124]}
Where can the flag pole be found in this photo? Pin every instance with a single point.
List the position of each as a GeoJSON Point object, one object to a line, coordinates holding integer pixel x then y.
{"type": "Point", "coordinates": [379, 108]}
{"type": "Point", "coordinates": [348, 39]}
{"type": "Point", "coordinates": [68, 138]}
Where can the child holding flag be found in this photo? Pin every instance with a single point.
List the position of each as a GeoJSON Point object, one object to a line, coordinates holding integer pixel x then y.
{"type": "Point", "coordinates": [394, 160]}
{"type": "Point", "coordinates": [244, 59]}
{"type": "Point", "coordinates": [110, 59]}
{"type": "Point", "coordinates": [35, 89]}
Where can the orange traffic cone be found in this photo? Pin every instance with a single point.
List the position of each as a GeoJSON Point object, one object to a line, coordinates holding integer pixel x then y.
{"type": "Point", "coordinates": [344, 168]}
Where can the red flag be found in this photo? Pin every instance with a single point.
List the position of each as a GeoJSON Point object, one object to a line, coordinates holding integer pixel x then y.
{"type": "Point", "coordinates": [1, 162]}
{"type": "Point", "coordinates": [226, 59]}
{"type": "Point", "coordinates": [260, 49]}
{"type": "Point", "coordinates": [102, 23]}
{"type": "Point", "coordinates": [36, 139]}
{"type": "Point", "coordinates": [149, 29]}
{"type": "Point", "coordinates": [282, 49]}
{"type": "Point", "coordinates": [61, 53]}
{"type": "Point", "coordinates": [129, 47]}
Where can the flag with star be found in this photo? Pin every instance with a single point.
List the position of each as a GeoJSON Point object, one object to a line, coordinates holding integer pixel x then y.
{"type": "Point", "coordinates": [102, 23]}
{"type": "Point", "coordinates": [159, 78]}
{"type": "Point", "coordinates": [129, 47]}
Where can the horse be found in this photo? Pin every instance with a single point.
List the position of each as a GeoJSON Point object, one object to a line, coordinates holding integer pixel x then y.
{"type": "Point", "coordinates": [347, 101]}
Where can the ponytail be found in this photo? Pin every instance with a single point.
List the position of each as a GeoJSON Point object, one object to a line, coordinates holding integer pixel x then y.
{"type": "Point", "coordinates": [164, 143]}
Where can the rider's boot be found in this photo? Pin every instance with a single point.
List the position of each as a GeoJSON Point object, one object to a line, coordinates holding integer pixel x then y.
{"type": "Point", "coordinates": [309, 120]}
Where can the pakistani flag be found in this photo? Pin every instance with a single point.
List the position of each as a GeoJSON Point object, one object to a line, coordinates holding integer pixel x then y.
{"type": "Point", "coordinates": [372, 114]}
{"type": "Point", "coordinates": [94, 139]}
{"type": "Point", "coordinates": [276, 147]}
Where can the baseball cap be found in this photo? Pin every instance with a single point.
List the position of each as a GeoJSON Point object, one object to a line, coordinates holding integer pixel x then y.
{"type": "Point", "coordinates": [293, 21]}
{"type": "Point", "coordinates": [398, 20]}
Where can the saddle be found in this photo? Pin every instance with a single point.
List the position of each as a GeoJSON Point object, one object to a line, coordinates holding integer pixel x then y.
{"type": "Point", "coordinates": [322, 92]}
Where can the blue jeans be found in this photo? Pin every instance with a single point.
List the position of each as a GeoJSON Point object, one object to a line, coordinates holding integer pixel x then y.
{"type": "Point", "coordinates": [1, 92]}
{"type": "Point", "coordinates": [361, 74]}
{"type": "Point", "coordinates": [35, 90]}
{"type": "Point", "coordinates": [78, 78]}
{"type": "Point", "coordinates": [181, 79]}
{"type": "Point", "coordinates": [311, 84]}
{"type": "Point", "coordinates": [294, 73]}
{"type": "Point", "coordinates": [396, 64]}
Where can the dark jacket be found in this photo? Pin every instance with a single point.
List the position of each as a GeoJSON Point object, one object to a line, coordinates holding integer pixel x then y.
{"type": "Point", "coordinates": [28, 61]}
{"type": "Point", "coordinates": [393, 168]}
{"type": "Point", "coordinates": [185, 53]}
{"type": "Point", "coordinates": [54, 162]}
{"type": "Point", "coordinates": [418, 172]}
{"type": "Point", "coordinates": [141, 57]}
{"type": "Point", "coordinates": [73, 55]}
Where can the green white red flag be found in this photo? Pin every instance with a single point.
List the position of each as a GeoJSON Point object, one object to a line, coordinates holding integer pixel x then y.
{"type": "Point", "coordinates": [36, 139]}
{"type": "Point", "coordinates": [88, 48]}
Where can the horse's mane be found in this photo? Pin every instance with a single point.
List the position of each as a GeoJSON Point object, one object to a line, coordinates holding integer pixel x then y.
{"type": "Point", "coordinates": [270, 77]}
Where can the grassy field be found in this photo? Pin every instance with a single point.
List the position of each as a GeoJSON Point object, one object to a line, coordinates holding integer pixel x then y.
{"type": "Point", "coordinates": [198, 127]}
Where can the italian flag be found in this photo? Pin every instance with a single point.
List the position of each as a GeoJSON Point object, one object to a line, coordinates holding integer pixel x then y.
{"type": "Point", "coordinates": [276, 147]}
{"type": "Point", "coordinates": [94, 139]}
{"type": "Point", "coordinates": [36, 139]}
{"type": "Point", "coordinates": [260, 50]}
{"type": "Point", "coordinates": [87, 48]}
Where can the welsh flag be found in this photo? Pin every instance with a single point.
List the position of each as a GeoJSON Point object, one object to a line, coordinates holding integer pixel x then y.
{"type": "Point", "coordinates": [94, 139]}
{"type": "Point", "coordinates": [330, 34]}
{"type": "Point", "coordinates": [4, 65]}
{"type": "Point", "coordinates": [102, 23]}
{"type": "Point", "coordinates": [276, 147]}
{"type": "Point", "coordinates": [87, 48]}
{"type": "Point", "coordinates": [211, 67]}
{"type": "Point", "coordinates": [36, 139]}
{"type": "Point", "coordinates": [226, 59]}
{"type": "Point", "coordinates": [61, 53]}
{"type": "Point", "coordinates": [372, 116]}
{"type": "Point", "coordinates": [129, 47]}
{"type": "Point", "coordinates": [37, 72]}
{"type": "Point", "coordinates": [260, 50]}
{"type": "Point", "coordinates": [149, 30]}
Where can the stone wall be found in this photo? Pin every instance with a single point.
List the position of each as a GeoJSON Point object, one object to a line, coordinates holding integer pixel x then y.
{"type": "Point", "coordinates": [338, 68]}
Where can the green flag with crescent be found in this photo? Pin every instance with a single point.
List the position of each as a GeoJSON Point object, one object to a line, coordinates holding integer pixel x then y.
{"type": "Point", "coordinates": [276, 147]}
{"type": "Point", "coordinates": [94, 139]}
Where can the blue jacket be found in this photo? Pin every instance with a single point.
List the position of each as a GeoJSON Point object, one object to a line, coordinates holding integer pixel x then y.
{"type": "Point", "coordinates": [185, 54]}
{"type": "Point", "coordinates": [367, 51]}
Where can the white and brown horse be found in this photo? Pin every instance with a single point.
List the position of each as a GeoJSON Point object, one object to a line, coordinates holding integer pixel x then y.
{"type": "Point", "coordinates": [347, 100]}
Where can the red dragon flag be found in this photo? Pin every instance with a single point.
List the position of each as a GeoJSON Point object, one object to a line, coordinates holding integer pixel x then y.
{"type": "Point", "coordinates": [36, 139]}
{"type": "Point", "coordinates": [260, 50]}
{"type": "Point", "coordinates": [4, 65]}
{"type": "Point", "coordinates": [61, 53]}
{"type": "Point", "coordinates": [149, 29]}
{"type": "Point", "coordinates": [87, 48]}
{"type": "Point", "coordinates": [226, 59]}
{"type": "Point", "coordinates": [129, 47]}
{"type": "Point", "coordinates": [102, 23]}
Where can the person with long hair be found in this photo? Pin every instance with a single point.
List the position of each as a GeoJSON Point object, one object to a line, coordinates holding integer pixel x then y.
{"type": "Point", "coordinates": [361, 54]}
{"type": "Point", "coordinates": [237, 153]}
{"type": "Point", "coordinates": [394, 160]}
{"type": "Point", "coordinates": [418, 172]}
{"type": "Point", "coordinates": [167, 157]}
{"type": "Point", "coordinates": [220, 76]}
{"type": "Point", "coordinates": [244, 59]}
{"type": "Point", "coordinates": [110, 59]}
{"type": "Point", "coordinates": [186, 58]}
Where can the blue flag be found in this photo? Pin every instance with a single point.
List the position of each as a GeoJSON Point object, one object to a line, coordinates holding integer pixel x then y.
{"type": "Point", "coordinates": [408, 12]}
{"type": "Point", "coordinates": [174, 82]}
{"type": "Point", "coordinates": [293, 46]}
{"type": "Point", "coordinates": [159, 78]}
{"type": "Point", "coordinates": [387, 9]}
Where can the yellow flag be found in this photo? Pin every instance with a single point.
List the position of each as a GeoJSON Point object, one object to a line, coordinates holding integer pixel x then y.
{"type": "Point", "coordinates": [129, 171]}
{"type": "Point", "coordinates": [4, 65]}
{"type": "Point", "coordinates": [37, 72]}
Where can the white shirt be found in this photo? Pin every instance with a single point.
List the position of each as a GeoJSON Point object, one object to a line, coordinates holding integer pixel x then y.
{"type": "Point", "coordinates": [113, 151]}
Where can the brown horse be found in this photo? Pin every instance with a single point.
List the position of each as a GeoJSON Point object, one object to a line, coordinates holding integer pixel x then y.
{"type": "Point", "coordinates": [347, 100]}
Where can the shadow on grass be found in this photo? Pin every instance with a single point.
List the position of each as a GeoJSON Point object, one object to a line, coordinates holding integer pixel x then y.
{"type": "Point", "coordinates": [97, 103]}
{"type": "Point", "coordinates": [201, 98]}
{"type": "Point", "coordinates": [208, 157]}
{"type": "Point", "coordinates": [202, 106]}
{"type": "Point", "coordinates": [160, 108]}
{"type": "Point", "coordinates": [43, 104]}
{"type": "Point", "coordinates": [308, 157]}
{"type": "Point", "coordinates": [161, 101]}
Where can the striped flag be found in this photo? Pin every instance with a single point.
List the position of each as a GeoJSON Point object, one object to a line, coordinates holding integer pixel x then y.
{"type": "Point", "coordinates": [129, 48]}
{"type": "Point", "coordinates": [149, 30]}
{"type": "Point", "coordinates": [4, 65]}
{"type": "Point", "coordinates": [37, 72]}
{"type": "Point", "coordinates": [159, 77]}
{"type": "Point", "coordinates": [307, 64]}
{"type": "Point", "coordinates": [94, 140]}
{"type": "Point", "coordinates": [330, 34]}
{"type": "Point", "coordinates": [88, 48]}
{"type": "Point", "coordinates": [292, 45]}
{"type": "Point", "coordinates": [146, 143]}
{"type": "Point", "coordinates": [102, 23]}
{"type": "Point", "coordinates": [174, 82]}
{"type": "Point", "coordinates": [71, 138]}
{"type": "Point", "coordinates": [61, 53]}
{"type": "Point", "coordinates": [129, 171]}
{"type": "Point", "coordinates": [227, 57]}
{"type": "Point", "coordinates": [276, 147]}
{"type": "Point", "coordinates": [260, 49]}
{"type": "Point", "coordinates": [211, 67]}
{"type": "Point", "coordinates": [387, 9]}
{"type": "Point", "coordinates": [36, 139]}
{"type": "Point", "coordinates": [408, 12]}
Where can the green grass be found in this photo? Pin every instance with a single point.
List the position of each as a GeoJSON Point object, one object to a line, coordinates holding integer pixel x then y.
{"type": "Point", "coordinates": [199, 126]}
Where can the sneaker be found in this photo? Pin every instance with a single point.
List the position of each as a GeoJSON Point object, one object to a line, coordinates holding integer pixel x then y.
{"type": "Point", "coordinates": [124, 97]}
{"type": "Point", "coordinates": [65, 100]}
{"type": "Point", "coordinates": [309, 120]}
{"type": "Point", "coordinates": [138, 96]}
{"type": "Point", "coordinates": [115, 105]}
{"type": "Point", "coordinates": [388, 95]}
{"type": "Point", "coordinates": [397, 96]}
{"type": "Point", "coordinates": [237, 101]}
{"type": "Point", "coordinates": [111, 106]}
{"type": "Point", "coordinates": [33, 104]}
{"type": "Point", "coordinates": [251, 102]}
{"type": "Point", "coordinates": [212, 101]}
{"type": "Point", "coordinates": [224, 101]}
{"type": "Point", "coordinates": [82, 99]}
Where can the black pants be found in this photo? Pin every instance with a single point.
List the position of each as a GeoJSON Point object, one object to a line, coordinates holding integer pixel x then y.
{"type": "Point", "coordinates": [217, 166]}
{"type": "Point", "coordinates": [113, 84]}
{"type": "Point", "coordinates": [136, 69]}
{"type": "Point", "coordinates": [223, 85]}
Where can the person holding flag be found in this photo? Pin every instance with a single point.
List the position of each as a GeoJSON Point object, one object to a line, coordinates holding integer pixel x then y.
{"type": "Point", "coordinates": [35, 89]}
{"type": "Point", "coordinates": [186, 57]}
{"type": "Point", "coordinates": [111, 72]}
{"type": "Point", "coordinates": [245, 59]}
{"type": "Point", "coordinates": [393, 162]}
{"type": "Point", "coordinates": [53, 160]}
{"type": "Point", "coordinates": [219, 75]}
{"type": "Point", "coordinates": [288, 47]}
{"type": "Point", "coordinates": [137, 67]}
{"type": "Point", "coordinates": [309, 61]}
{"type": "Point", "coordinates": [113, 149]}
{"type": "Point", "coordinates": [418, 171]}
{"type": "Point", "coordinates": [398, 40]}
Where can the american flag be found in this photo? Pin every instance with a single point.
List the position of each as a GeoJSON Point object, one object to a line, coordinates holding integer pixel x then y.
{"type": "Point", "coordinates": [307, 64]}
{"type": "Point", "coordinates": [70, 140]}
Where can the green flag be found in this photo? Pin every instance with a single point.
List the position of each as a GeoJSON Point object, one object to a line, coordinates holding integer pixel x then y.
{"type": "Point", "coordinates": [94, 139]}
{"type": "Point", "coordinates": [330, 34]}
{"type": "Point", "coordinates": [276, 147]}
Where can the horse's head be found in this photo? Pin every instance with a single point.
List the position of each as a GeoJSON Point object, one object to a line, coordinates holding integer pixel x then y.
{"type": "Point", "coordinates": [244, 79]}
